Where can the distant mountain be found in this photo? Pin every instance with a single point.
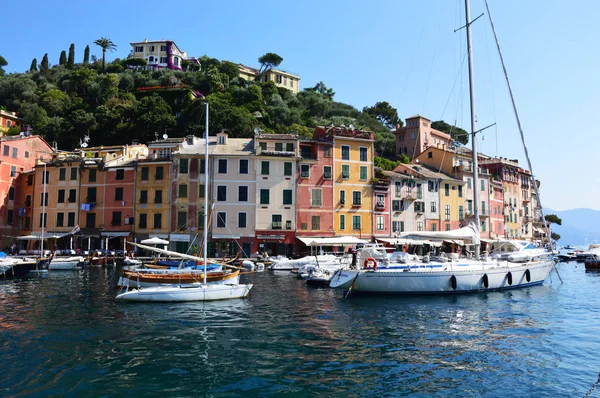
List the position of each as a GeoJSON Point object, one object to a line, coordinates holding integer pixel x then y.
{"type": "Point", "coordinates": [579, 226]}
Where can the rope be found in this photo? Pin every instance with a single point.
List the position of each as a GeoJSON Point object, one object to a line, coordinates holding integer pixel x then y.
{"type": "Point", "coordinates": [593, 387]}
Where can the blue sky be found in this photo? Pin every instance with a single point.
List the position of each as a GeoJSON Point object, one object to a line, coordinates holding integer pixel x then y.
{"type": "Point", "coordinates": [403, 52]}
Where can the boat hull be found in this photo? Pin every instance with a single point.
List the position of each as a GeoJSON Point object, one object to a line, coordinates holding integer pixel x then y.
{"type": "Point", "coordinates": [184, 294]}
{"type": "Point", "coordinates": [17, 270]}
{"type": "Point", "coordinates": [451, 280]}
{"type": "Point", "coordinates": [139, 279]}
{"type": "Point", "coordinates": [65, 264]}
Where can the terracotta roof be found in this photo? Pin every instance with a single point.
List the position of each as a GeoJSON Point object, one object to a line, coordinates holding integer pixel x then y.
{"type": "Point", "coordinates": [422, 171]}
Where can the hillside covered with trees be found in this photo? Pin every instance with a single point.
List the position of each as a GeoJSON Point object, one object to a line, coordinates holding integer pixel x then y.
{"type": "Point", "coordinates": [115, 103]}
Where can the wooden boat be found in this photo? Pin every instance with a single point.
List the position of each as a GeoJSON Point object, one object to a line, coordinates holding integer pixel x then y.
{"type": "Point", "coordinates": [592, 263]}
{"type": "Point", "coordinates": [147, 279]}
{"type": "Point", "coordinates": [16, 267]}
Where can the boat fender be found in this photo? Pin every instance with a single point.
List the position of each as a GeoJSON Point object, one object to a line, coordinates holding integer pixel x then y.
{"type": "Point", "coordinates": [509, 278]}
{"type": "Point", "coordinates": [453, 282]}
{"type": "Point", "coordinates": [485, 280]}
{"type": "Point", "coordinates": [528, 275]}
{"type": "Point", "coordinates": [370, 262]}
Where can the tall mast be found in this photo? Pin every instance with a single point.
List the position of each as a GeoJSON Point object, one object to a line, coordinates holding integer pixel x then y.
{"type": "Point", "coordinates": [473, 131]}
{"type": "Point", "coordinates": [205, 195]}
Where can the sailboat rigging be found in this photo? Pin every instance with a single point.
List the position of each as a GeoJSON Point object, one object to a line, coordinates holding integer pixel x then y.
{"type": "Point", "coordinates": [523, 265]}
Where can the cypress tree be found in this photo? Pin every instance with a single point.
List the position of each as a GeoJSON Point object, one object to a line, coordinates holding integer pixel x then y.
{"type": "Point", "coordinates": [63, 58]}
{"type": "Point", "coordinates": [71, 60]}
{"type": "Point", "coordinates": [33, 66]}
{"type": "Point", "coordinates": [44, 64]}
{"type": "Point", "coordinates": [86, 56]}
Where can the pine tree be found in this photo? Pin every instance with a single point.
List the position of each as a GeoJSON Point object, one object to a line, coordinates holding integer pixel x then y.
{"type": "Point", "coordinates": [71, 59]}
{"type": "Point", "coordinates": [63, 58]}
{"type": "Point", "coordinates": [44, 64]}
{"type": "Point", "coordinates": [33, 66]}
{"type": "Point", "coordinates": [86, 56]}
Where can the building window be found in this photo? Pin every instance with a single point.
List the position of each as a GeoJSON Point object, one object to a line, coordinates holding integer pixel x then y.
{"type": "Point", "coordinates": [276, 221]}
{"type": "Point", "coordinates": [92, 175]}
{"type": "Point", "coordinates": [143, 221]}
{"type": "Point", "coordinates": [62, 174]}
{"type": "Point", "coordinates": [483, 208]}
{"type": "Point", "coordinates": [380, 223]}
{"type": "Point", "coordinates": [27, 154]}
{"type": "Point", "coordinates": [159, 173]}
{"type": "Point", "coordinates": [316, 197]}
{"type": "Point", "coordinates": [345, 152]}
{"type": "Point", "coordinates": [243, 166]}
{"type": "Point", "coordinates": [145, 173]}
{"type": "Point", "coordinates": [143, 196]}
{"type": "Point", "coordinates": [73, 174]}
{"type": "Point", "coordinates": [429, 156]}
{"type": "Point", "coordinates": [163, 60]}
{"type": "Point", "coordinates": [263, 146]}
{"type": "Point", "coordinates": [315, 222]}
{"type": "Point", "coordinates": [461, 213]}
{"type": "Point", "coordinates": [447, 227]}
{"type": "Point", "coordinates": [468, 183]}
{"type": "Point", "coordinates": [287, 168]}
{"type": "Point", "coordinates": [139, 49]}
{"type": "Point", "coordinates": [157, 221]}
{"type": "Point", "coordinates": [45, 177]}
{"type": "Point", "coordinates": [363, 154]}
{"type": "Point", "coordinates": [447, 189]}
{"type": "Point", "coordinates": [241, 220]}
{"type": "Point", "coordinates": [342, 221]}
{"type": "Point", "coordinates": [201, 190]}
{"type": "Point", "coordinates": [71, 219]}
{"type": "Point", "coordinates": [61, 196]}
{"type": "Point", "coordinates": [264, 168]}
{"type": "Point", "coordinates": [342, 197]}
{"type": "Point", "coordinates": [483, 226]}
{"type": "Point", "coordinates": [434, 227]}
{"type": "Point", "coordinates": [419, 225]}
{"type": "Point", "coordinates": [6, 150]}
{"type": "Point", "coordinates": [356, 223]}
{"type": "Point", "coordinates": [460, 191]}
{"type": "Point", "coordinates": [363, 173]}
{"type": "Point", "coordinates": [327, 172]}
{"type": "Point", "coordinates": [419, 191]}
{"type": "Point", "coordinates": [304, 171]}
{"type": "Point", "coordinates": [221, 219]}
{"type": "Point", "coordinates": [287, 196]}
{"type": "Point", "coordinates": [356, 198]}
{"type": "Point", "coordinates": [72, 195]}
{"type": "Point", "coordinates": [345, 171]}
{"type": "Point", "coordinates": [482, 185]}
{"type": "Point", "coordinates": [44, 199]}
{"type": "Point", "coordinates": [222, 168]}
{"type": "Point", "coordinates": [28, 200]}
{"type": "Point", "coordinates": [470, 206]}
{"type": "Point", "coordinates": [182, 191]}
{"type": "Point", "coordinates": [11, 193]}
{"type": "Point", "coordinates": [158, 196]}
{"type": "Point", "coordinates": [380, 200]}
{"type": "Point", "coordinates": [264, 196]}
{"type": "Point", "coordinates": [447, 212]}
{"type": "Point", "coordinates": [183, 166]}
{"type": "Point", "coordinates": [221, 193]}
{"type": "Point", "coordinates": [327, 152]}
{"type": "Point", "coordinates": [242, 193]}
{"type": "Point", "coordinates": [44, 219]}
{"type": "Point", "coordinates": [279, 146]}
{"type": "Point", "coordinates": [116, 219]}
{"type": "Point", "coordinates": [29, 180]}
{"type": "Point", "coordinates": [181, 220]}
{"type": "Point", "coordinates": [120, 174]}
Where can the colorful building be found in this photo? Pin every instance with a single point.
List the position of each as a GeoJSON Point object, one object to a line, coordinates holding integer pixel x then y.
{"type": "Point", "coordinates": [280, 77]}
{"type": "Point", "coordinates": [314, 198]}
{"type": "Point", "coordinates": [353, 178]}
{"type": "Point", "coordinates": [276, 159]}
{"type": "Point", "coordinates": [18, 154]}
{"type": "Point", "coordinates": [382, 225]}
{"type": "Point", "coordinates": [8, 120]}
{"type": "Point", "coordinates": [418, 135]}
{"type": "Point", "coordinates": [160, 54]}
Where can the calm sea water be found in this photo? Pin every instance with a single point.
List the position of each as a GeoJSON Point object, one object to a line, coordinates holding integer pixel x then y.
{"type": "Point", "coordinates": [64, 335]}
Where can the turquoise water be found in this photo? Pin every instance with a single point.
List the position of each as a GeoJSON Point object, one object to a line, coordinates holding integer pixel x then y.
{"type": "Point", "coordinates": [64, 335]}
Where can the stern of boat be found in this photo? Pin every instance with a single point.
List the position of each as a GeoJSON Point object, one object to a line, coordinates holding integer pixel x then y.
{"type": "Point", "coordinates": [343, 278]}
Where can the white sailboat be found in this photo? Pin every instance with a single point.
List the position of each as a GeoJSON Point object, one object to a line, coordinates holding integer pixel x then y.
{"type": "Point", "coordinates": [379, 273]}
{"type": "Point", "coordinates": [203, 292]}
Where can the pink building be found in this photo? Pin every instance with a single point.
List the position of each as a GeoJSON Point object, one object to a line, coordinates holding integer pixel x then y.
{"type": "Point", "coordinates": [496, 209]}
{"type": "Point", "coordinates": [417, 136]}
{"type": "Point", "coordinates": [381, 206]}
{"type": "Point", "coordinates": [314, 198]}
{"type": "Point", "coordinates": [17, 155]}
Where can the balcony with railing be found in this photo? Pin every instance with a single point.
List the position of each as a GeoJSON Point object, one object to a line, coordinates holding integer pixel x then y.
{"type": "Point", "coordinates": [380, 184]}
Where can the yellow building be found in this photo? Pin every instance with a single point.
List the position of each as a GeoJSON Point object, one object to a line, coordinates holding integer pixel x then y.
{"type": "Point", "coordinates": [153, 190]}
{"type": "Point", "coordinates": [353, 176]}
{"type": "Point", "coordinates": [280, 77]}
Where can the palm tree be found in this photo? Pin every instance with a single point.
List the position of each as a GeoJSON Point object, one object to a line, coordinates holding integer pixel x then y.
{"type": "Point", "coordinates": [105, 44]}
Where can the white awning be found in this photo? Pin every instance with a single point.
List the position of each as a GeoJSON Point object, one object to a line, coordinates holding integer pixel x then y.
{"type": "Point", "coordinates": [226, 237]}
{"type": "Point", "coordinates": [115, 234]}
{"type": "Point", "coordinates": [155, 241]}
{"type": "Point", "coordinates": [47, 235]}
{"type": "Point", "coordinates": [306, 240]}
{"type": "Point", "coordinates": [414, 242]}
{"type": "Point", "coordinates": [336, 241]}
{"type": "Point", "coordinates": [28, 237]}
{"type": "Point", "coordinates": [180, 237]}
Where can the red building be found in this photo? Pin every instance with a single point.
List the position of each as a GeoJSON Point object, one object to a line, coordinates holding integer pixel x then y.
{"type": "Point", "coordinates": [18, 154]}
{"type": "Point", "coordinates": [314, 203]}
